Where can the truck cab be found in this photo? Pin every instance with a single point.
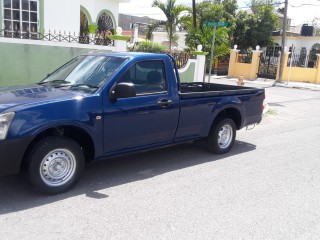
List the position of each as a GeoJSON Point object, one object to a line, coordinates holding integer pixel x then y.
{"type": "Point", "coordinates": [102, 105]}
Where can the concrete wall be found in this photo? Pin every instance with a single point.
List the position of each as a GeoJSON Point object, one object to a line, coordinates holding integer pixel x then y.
{"type": "Point", "coordinates": [241, 69]}
{"type": "Point", "coordinates": [194, 70]}
{"type": "Point", "coordinates": [299, 74]}
{"type": "Point", "coordinates": [160, 37]}
{"type": "Point", "coordinates": [187, 74]}
{"type": "Point", "coordinates": [247, 70]}
{"type": "Point", "coordinates": [28, 61]}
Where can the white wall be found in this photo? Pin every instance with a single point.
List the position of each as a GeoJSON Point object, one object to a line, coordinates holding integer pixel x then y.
{"type": "Point", "coordinates": [62, 15]}
{"type": "Point", "coordinates": [96, 6]}
{"type": "Point", "coordinates": [160, 37]}
{"type": "Point", "coordinates": [299, 42]}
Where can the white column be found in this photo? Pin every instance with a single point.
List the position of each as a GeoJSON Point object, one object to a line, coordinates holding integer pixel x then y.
{"type": "Point", "coordinates": [120, 42]}
{"type": "Point", "coordinates": [120, 45]}
{"type": "Point", "coordinates": [136, 33]}
{"type": "Point", "coordinates": [200, 64]}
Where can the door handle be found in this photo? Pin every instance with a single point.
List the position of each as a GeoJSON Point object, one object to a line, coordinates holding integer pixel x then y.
{"type": "Point", "coordinates": [164, 103]}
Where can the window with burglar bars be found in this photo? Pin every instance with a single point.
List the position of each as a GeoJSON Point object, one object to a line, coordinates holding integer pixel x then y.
{"type": "Point", "coordinates": [20, 17]}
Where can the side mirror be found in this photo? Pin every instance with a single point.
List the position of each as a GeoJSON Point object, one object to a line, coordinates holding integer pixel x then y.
{"type": "Point", "coordinates": [123, 90]}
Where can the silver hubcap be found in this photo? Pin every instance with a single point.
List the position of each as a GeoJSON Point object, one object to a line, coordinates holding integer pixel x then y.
{"type": "Point", "coordinates": [58, 167]}
{"type": "Point", "coordinates": [225, 136]}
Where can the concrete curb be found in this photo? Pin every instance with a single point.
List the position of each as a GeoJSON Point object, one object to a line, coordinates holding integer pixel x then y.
{"type": "Point", "coordinates": [266, 107]}
{"type": "Point", "coordinates": [265, 83]}
{"type": "Point", "coordinates": [296, 85]}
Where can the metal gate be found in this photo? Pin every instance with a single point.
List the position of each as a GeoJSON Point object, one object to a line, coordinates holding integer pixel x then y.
{"type": "Point", "coordinates": [223, 65]}
{"type": "Point", "coordinates": [269, 59]}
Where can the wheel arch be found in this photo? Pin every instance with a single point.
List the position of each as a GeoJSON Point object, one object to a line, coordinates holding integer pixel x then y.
{"type": "Point", "coordinates": [230, 112]}
{"type": "Point", "coordinates": [76, 133]}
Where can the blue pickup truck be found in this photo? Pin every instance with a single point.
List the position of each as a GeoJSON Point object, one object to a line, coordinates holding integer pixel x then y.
{"type": "Point", "coordinates": [102, 105]}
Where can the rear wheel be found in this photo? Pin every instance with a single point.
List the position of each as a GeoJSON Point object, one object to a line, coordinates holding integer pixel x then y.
{"type": "Point", "coordinates": [55, 164]}
{"type": "Point", "coordinates": [221, 136]}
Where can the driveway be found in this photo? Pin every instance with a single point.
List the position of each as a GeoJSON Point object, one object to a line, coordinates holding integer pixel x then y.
{"type": "Point", "coordinates": [267, 187]}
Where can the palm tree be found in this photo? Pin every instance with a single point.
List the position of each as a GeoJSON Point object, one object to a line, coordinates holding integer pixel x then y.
{"type": "Point", "coordinates": [172, 12]}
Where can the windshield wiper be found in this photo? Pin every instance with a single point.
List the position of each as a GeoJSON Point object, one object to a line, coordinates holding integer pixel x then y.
{"type": "Point", "coordinates": [54, 82]}
{"type": "Point", "coordinates": [84, 85]}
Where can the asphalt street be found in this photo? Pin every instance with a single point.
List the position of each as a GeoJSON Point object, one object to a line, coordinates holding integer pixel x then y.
{"type": "Point", "coordinates": [267, 187]}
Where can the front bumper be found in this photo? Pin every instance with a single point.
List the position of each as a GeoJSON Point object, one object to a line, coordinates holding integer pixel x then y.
{"type": "Point", "coordinates": [11, 154]}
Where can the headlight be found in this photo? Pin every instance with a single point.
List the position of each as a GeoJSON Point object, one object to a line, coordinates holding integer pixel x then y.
{"type": "Point", "coordinates": [5, 121]}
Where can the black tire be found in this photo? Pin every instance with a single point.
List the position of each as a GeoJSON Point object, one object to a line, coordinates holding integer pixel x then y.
{"type": "Point", "coordinates": [55, 164]}
{"type": "Point", "coordinates": [225, 127]}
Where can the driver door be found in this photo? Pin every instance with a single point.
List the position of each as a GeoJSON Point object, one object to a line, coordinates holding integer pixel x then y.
{"type": "Point", "coordinates": [148, 119]}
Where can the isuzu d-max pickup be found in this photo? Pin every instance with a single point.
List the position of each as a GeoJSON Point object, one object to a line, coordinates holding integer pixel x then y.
{"type": "Point", "coordinates": [101, 105]}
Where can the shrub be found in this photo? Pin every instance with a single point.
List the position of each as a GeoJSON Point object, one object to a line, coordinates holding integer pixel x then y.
{"type": "Point", "coordinates": [150, 47]}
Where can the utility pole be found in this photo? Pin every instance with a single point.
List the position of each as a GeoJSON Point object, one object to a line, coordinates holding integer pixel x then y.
{"type": "Point", "coordinates": [194, 14]}
{"type": "Point", "coordinates": [283, 42]}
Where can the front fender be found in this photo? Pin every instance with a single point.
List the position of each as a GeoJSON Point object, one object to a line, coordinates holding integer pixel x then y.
{"type": "Point", "coordinates": [84, 114]}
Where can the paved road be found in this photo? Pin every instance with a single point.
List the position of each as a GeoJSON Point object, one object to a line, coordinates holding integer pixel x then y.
{"type": "Point", "coordinates": [267, 187]}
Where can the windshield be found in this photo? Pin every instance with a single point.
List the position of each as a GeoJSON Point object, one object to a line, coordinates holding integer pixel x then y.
{"type": "Point", "coordinates": [84, 71]}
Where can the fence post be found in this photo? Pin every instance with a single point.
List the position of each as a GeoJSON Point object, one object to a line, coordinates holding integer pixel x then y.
{"type": "Point", "coordinates": [255, 64]}
{"type": "Point", "coordinates": [121, 45]}
{"type": "Point", "coordinates": [318, 69]}
{"type": "Point", "coordinates": [286, 56]}
{"type": "Point", "coordinates": [233, 61]}
{"type": "Point", "coordinates": [200, 64]}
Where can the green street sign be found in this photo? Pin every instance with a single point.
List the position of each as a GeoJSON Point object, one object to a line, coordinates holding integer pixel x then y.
{"type": "Point", "coordinates": [216, 24]}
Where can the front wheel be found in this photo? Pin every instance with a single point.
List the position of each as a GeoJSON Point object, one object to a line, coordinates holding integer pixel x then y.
{"type": "Point", "coordinates": [55, 164]}
{"type": "Point", "coordinates": [221, 136]}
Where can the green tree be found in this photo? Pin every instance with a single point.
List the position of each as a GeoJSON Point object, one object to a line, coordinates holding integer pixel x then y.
{"type": "Point", "coordinates": [240, 36]}
{"type": "Point", "coordinates": [207, 11]}
{"type": "Point", "coordinates": [255, 28]}
{"type": "Point", "coordinates": [171, 11]}
{"type": "Point", "coordinates": [229, 14]}
{"type": "Point", "coordinates": [230, 6]}
{"type": "Point", "coordinates": [256, 4]}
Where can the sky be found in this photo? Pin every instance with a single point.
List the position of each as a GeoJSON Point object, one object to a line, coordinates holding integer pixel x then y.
{"type": "Point", "coordinates": [299, 14]}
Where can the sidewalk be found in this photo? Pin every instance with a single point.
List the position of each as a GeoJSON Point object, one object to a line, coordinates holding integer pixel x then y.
{"type": "Point", "coordinates": [264, 83]}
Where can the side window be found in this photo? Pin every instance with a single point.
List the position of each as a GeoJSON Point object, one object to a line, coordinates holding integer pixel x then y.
{"type": "Point", "coordinates": [147, 76]}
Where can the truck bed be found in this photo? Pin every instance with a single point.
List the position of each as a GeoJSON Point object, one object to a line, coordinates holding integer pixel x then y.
{"type": "Point", "coordinates": [200, 89]}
